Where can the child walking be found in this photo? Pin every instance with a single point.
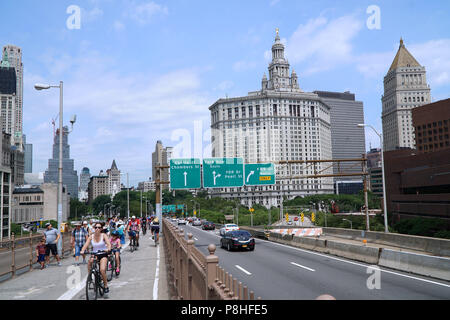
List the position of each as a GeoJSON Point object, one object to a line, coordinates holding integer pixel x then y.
{"type": "Point", "coordinates": [40, 253]}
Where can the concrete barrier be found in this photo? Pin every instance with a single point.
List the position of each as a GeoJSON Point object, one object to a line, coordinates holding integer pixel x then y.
{"type": "Point", "coordinates": [354, 252]}
{"type": "Point", "coordinates": [314, 244]}
{"type": "Point", "coordinates": [435, 246]}
{"type": "Point", "coordinates": [436, 267]}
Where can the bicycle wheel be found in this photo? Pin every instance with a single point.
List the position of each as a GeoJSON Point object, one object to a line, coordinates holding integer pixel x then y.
{"type": "Point", "coordinates": [91, 287]}
{"type": "Point", "coordinates": [110, 267]}
{"type": "Point", "coordinates": [100, 285]}
{"type": "Point", "coordinates": [120, 263]}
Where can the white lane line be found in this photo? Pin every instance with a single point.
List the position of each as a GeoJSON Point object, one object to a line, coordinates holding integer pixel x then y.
{"type": "Point", "coordinates": [243, 270]}
{"type": "Point", "coordinates": [155, 284]}
{"type": "Point", "coordinates": [68, 295]}
{"type": "Point", "coordinates": [299, 265]}
{"type": "Point", "coordinates": [195, 239]}
{"type": "Point", "coordinates": [355, 263]}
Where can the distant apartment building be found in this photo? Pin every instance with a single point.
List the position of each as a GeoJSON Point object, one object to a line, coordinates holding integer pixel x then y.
{"type": "Point", "coordinates": [38, 203]}
{"type": "Point", "coordinates": [147, 186]}
{"type": "Point", "coordinates": [98, 186]}
{"type": "Point", "coordinates": [279, 122]}
{"type": "Point", "coordinates": [85, 176]}
{"type": "Point", "coordinates": [162, 157]}
{"type": "Point", "coordinates": [405, 88]}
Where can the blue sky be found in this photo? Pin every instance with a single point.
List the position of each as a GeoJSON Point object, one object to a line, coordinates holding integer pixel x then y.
{"type": "Point", "coordinates": [138, 71]}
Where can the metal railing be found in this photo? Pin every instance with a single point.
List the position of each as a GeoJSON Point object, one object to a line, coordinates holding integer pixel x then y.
{"type": "Point", "coordinates": [194, 276]}
{"type": "Point", "coordinates": [20, 253]}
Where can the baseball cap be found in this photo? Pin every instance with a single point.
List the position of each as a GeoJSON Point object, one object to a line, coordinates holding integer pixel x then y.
{"type": "Point", "coordinates": [47, 224]}
{"type": "Point", "coordinates": [85, 222]}
{"type": "Point", "coordinates": [133, 217]}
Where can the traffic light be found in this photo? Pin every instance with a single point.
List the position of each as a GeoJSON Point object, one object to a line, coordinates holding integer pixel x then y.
{"type": "Point", "coordinates": [313, 217]}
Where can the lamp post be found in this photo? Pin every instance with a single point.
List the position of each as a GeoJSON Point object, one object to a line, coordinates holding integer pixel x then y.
{"type": "Point", "coordinates": [40, 87]}
{"type": "Point", "coordinates": [386, 229]}
{"type": "Point", "coordinates": [351, 224]}
{"type": "Point", "coordinates": [128, 197]}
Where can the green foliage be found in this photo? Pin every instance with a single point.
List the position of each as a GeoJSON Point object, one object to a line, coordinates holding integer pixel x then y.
{"type": "Point", "coordinates": [99, 203]}
{"type": "Point", "coordinates": [427, 227]}
{"type": "Point", "coordinates": [78, 209]}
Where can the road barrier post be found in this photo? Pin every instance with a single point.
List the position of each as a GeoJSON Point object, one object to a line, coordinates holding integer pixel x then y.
{"type": "Point", "coordinates": [13, 266]}
{"type": "Point", "coordinates": [31, 250]}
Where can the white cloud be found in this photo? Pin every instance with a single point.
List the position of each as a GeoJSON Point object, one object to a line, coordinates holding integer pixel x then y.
{"type": "Point", "coordinates": [324, 44]}
{"type": "Point", "coordinates": [244, 65]}
{"type": "Point", "coordinates": [118, 25]}
{"type": "Point", "coordinates": [145, 12]}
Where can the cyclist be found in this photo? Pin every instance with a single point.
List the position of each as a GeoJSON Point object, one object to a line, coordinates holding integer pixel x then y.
{"type": "Point", "coordinates": [133, 229]}
{"type": "Point", "coordinates": [155, 229]}
{"type": "Point", "coordinates": [144, 225]}
{"type": "Point", "coordinates": [120, 229]}
{"type": "Point", "coordinates": [116, 246]}
{"type": "Point", "coordinates": [100, 243]}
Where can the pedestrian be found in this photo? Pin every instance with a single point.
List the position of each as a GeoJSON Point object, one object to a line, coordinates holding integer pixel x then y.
{"type": "Point", "coordinates": [40, 253]}
{"type": "Point", "coordinates": [120, 229]}
{"type": "Point", "coordinates": [79, 238]}
{"type": "Point", "coordinates": [51, 239]}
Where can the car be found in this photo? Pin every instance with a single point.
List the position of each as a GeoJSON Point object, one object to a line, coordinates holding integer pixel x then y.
{"type": "Point", "coordinates": [295, 218]}
{"type": "Point", "coordinates": [190, 219]}
{"type": "Point", "coordinates": [228, 227]}
{"type": "Point", "coordinates": [182, 221]}
{"type": "Point", "coordinates": [196, 222]}
{"type": "Point", "coordinates": [208, 225]}
{"type": "Point", "coordinates": [239, 239]}
{"type": "Point", "coordinates": [289, 223]}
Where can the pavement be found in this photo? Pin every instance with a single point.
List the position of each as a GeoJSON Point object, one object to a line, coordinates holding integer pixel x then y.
{"type": "Point", "coordinates": [143, 277]}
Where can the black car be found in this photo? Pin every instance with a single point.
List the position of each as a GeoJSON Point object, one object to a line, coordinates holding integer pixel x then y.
{"type": "Point", "coordinates": [239, 239]}
{"type": "Point", "coordinates": [208, 226]}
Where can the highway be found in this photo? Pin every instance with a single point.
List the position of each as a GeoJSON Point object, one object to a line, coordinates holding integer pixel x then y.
{"type": "Point", "coordinates": [279, 272]}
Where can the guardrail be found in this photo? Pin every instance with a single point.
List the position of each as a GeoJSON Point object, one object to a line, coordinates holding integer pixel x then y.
{"type": "Point", "coordinates": [20, 253]}
{"type": "Point", "coordinates": [194, 276]}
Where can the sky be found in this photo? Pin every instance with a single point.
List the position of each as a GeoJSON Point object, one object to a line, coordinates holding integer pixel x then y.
{"type": "Point", "coordinates": [138, 71]}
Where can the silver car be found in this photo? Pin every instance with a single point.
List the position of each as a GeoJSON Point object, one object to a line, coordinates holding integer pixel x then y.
{"type": "Point", "coordinates": [197, 222]}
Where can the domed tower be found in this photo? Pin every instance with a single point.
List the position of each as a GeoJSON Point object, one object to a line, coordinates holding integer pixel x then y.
{"type": "Point", "coordinates": [279, 67]}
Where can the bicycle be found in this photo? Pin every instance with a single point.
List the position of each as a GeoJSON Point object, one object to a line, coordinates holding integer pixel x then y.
{"type": "Point", "coordinates": [133, 243]}
{"type": "Point", "coordinates": [94, 281]}
{"type": "Point", "coordinates": [144, 229]}
{"type": "Point", "coordinates": [114, 263]}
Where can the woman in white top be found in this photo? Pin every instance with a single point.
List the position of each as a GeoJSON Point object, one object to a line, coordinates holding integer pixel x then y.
{"type": "Point", "coordinates": [100, 242]}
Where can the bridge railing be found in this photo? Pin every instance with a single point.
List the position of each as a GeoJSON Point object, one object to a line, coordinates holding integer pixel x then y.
{"type": "Point", "coordinates": [194, 276]}
{"type": "Point", "coordinates": [20, 253]}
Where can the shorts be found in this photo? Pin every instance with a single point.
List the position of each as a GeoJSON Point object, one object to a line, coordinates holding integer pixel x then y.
{"type": "Point", "coordinates": [41, 258]}
{"type": "Point", "coordinates": [51, 247]}
{"type": "Point", "coordinates": [132, 233]}
{"type": "Point", "coordinates": [155, 229]}
{"type": "Point", "coordinates": [101, 256]}
{"type": "Point", "coordinates": [78, 249]}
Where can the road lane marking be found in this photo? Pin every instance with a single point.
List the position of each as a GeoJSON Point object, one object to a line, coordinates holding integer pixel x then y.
{"type": "Point", "coordinates": [243, 270]}
{"type": "Point", "coordinates": [155, 284]}
{"type": "Point", "coordinates": [355, 263]}
{"type": "Point", "coordinates": [195, 239]}
{"type": "Point", "coordinates": [68, 295]}
{"type": "Point", "coordinates": [299, 265]}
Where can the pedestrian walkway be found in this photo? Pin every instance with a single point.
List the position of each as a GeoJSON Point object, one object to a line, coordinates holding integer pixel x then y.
{"type": "Point", "coordinates": [143, 277]}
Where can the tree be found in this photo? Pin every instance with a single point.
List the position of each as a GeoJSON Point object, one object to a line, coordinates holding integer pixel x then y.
{"type": "Point", "coordinates": [78, 209]}
{"type": "Point", "coordinates": [99, 203]}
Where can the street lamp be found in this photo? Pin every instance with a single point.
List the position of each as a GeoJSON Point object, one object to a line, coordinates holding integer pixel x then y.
{"type": "Point", "coordinates": [386, 229]}
{"type": "Point", "coordinates": [128, 196]}
{"type": "Point", "coordinates": [40, 87]}
{"type": "Point", "coordinates": [351, 224]}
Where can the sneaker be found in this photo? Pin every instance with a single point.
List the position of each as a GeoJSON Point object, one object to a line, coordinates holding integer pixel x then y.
{"type": "Point", "coordinates": [118, 270]}
{"type": "Point", "coordinates": [106, 290]}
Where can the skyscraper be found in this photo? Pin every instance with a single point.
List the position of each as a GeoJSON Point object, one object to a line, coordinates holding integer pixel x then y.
{"type": "Point", "coordinates": [279, 122]}
{"type": "Point", "coordinates": [8, 96]}
{"type": "Point", "coordinates": [113, 179]}
{"type": "Point", "coordinates": [70, 176]}
{"type": "Point", "coordinates": [28, 149]}
{"type": "Point", "coordinates": [162, 156]}
{"type": "Point", "coordinates": [13, 55]}
{"type": "Point", "coordinates": [85, 176]}
{"type": "Point", "coordinates": [405, 88]}
{"type": "Point", "coordinates": [347, 139]}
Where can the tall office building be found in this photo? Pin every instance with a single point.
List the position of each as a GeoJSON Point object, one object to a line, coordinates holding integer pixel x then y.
{"type": "Point", "coordinates": [6, 186]}
{"type": "Point", "coordinates": [13, 55]}
{"type": "Point", "coordinates": [279, 122]}
{"type": "Point", "coordinates": [405, 88]}
{"type": "Point", "coordinates": [161, 156]}
{"type": "Point", "coordinates": [28, 150]}
{"type": "Point", "coordinates": [347, 139]}
{"type": "Point", "coordinates": [70, 176]}
{"type": "Point", "coordinates": [98, 186]}
{"type": "Point", "coordinates": [8, 96]}
{"type": "Point", "coordinates": [85, 176]}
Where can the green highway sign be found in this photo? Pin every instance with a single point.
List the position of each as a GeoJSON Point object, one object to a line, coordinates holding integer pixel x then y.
{"type": "Point", "coordinates": [259, 174]}
{"type": "Point", "coordinates": [185, 174]}
{"type": "Point", "coordinates": [223, 172]}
